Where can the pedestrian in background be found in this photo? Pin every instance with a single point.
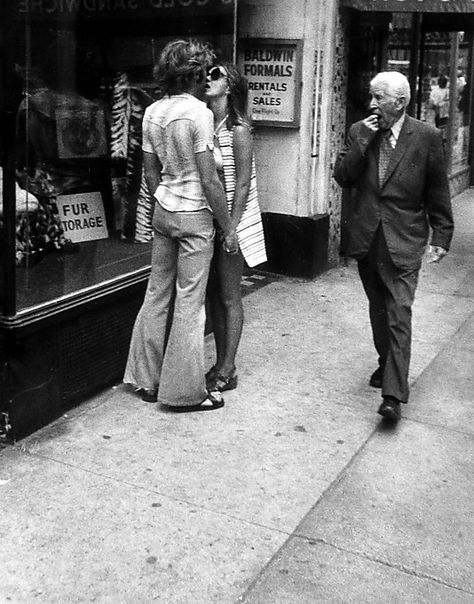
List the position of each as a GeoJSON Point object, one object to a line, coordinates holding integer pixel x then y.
{"type": "Point", "coordinates": [227, 94]}
{"type": "Point", "coordinates": [439, 100]}
{"type": "Point", "coordinates": [396, 165]}
{"type": "Point", "coordinates": [166, 357]}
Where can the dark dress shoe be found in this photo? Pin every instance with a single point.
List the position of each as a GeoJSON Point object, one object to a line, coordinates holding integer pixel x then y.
{"type": "Point", "coordinates": [376, 378]}
{"type": "Point", "coordinates": [390, 409]}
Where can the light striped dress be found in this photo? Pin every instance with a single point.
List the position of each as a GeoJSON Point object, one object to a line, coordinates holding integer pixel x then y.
{"type": "Point", "coordinates": [250, 228]}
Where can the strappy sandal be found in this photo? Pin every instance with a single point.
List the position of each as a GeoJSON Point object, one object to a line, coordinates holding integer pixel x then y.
{"type": "Point", "coordinates": [214, 400]}
{"type": "Point", "coordinates": [222, 382]}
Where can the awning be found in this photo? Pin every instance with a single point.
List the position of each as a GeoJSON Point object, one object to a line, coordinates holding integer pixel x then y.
{"type": "Point", "coordinates": [412, 6]}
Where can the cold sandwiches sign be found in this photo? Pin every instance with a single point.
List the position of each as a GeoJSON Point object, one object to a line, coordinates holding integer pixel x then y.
{"type": "Point", "coordinates": [273, 70]}
{"type": "Point", "coordinates": [124, 8]}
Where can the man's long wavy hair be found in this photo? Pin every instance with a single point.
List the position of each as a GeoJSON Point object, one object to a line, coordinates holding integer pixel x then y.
{"type": "Point", "coordinates": [180, 63]}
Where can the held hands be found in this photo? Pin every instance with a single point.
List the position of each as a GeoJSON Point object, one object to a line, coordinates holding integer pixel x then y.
{"type": "Point", "coordinates": [435, 254]}
{"type": "Point", "coordinates": [230, 243]}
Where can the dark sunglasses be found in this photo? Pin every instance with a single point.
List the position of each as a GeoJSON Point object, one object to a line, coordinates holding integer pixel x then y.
{"type": "Point", "coordinates": [215, 73]}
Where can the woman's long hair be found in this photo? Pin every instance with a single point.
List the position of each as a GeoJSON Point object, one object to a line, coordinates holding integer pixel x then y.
{"type": "Point", "coordinates": [180, 61]}
{"type": "Point", "coordinates": [237, 100]}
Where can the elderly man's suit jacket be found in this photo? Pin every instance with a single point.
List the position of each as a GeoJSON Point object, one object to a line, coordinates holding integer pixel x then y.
{"type": "Point", "coordinates": [413, 196]}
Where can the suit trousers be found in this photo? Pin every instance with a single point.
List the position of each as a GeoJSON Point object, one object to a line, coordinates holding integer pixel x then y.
{"type": "Point", "coordinates": [391, 292]}
{"type": "Point", "coordinates": [167, 346]}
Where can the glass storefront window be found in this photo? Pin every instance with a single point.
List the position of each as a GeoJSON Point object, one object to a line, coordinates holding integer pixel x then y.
{"type": "Point", "coordinates": [84, 75]}
{"type": "Point", "coordinates": [462, 117]}
{"type": "Point", "coordinates": [435, 81]}
{"type": "Point", "coordinates": [433, 99]}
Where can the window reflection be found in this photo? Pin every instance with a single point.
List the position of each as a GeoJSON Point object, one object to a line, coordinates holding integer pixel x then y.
{"type": "Point", "coordinates": [83, 208]}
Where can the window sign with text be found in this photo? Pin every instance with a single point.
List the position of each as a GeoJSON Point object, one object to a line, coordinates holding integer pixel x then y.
{"type": "Point", "coordinates": [124, 9]}
{"type": "Point", "coordinates": [273, 70]}
{"type": "Point", "coordinates": [82, 216]}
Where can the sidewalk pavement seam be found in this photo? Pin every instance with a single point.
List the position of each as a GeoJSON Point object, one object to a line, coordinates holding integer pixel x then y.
{"type": "Point", "coordinates": [339, 478]}
{"type": "Point", "coordinates": [398, 567]}
{"type": "Point", "coordinates": [441, 426]}
{"type": "Point", "coordinates": [155, 492]}
{"type": "Point", "coordinates": [294, 534]}
{"type": "Point", "coordinates": [461, 327]}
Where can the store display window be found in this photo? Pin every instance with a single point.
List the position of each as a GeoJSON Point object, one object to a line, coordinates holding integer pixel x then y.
{"type": "Point", "coordinates": [442, 91]}
{"type": "Point", "coordinates": [462, 105]}
{"type": "Point", "coordinates": [83, 77]}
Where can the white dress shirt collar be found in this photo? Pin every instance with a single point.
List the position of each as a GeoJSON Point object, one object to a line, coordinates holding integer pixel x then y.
{"type": "Point", "coordinates": [397, 126]}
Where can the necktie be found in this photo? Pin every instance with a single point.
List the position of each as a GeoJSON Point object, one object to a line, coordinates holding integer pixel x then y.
{"type": "Point", "coordinates": [385, 152]}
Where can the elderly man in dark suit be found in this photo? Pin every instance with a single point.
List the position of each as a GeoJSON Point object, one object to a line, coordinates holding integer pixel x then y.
{"type": "Point", "coordinates": [395, 165]}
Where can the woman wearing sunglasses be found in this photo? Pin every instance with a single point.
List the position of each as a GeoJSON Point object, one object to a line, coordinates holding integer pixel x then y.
{"type": "Point", "coordinates": [227, 94]}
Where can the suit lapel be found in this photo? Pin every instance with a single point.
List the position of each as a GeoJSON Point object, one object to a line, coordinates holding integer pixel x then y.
{"type": "Point", "coordinates": [404, 140]}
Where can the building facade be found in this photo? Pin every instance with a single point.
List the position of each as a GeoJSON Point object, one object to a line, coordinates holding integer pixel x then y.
{"type": "Point", "coordinates": [76, 77]}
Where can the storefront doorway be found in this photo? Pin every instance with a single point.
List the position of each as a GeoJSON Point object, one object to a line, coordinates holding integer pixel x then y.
{"type": "Point", "coordinates": [435, 53]}
{"type": "Point", "coordinates": [409, 43]}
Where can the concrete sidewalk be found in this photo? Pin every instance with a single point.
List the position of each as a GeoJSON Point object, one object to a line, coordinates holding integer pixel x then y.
{"type": "Point", "coordinates": [293, 493]}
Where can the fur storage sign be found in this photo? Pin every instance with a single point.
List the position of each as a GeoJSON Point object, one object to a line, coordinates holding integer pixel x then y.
{"type": "Point", "coordinates": [82, 216]}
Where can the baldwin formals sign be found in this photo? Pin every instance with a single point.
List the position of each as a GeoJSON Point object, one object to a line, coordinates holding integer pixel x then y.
{"type": "Point", "coordinates": [82, 216]}
{"type": "Point", "coordinates": [273, 70]}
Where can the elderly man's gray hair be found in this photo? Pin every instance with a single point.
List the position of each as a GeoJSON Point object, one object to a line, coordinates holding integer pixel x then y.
{"type": "Point", "coordinates": [394, 83]}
